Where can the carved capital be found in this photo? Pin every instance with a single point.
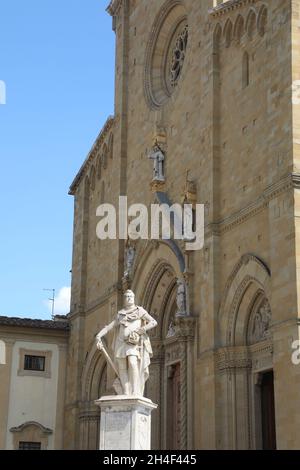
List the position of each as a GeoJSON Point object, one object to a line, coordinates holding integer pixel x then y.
{"type": "Point", "coordinates": [233, 358]}
{"type": "Point", "coordinates": [185, 327]}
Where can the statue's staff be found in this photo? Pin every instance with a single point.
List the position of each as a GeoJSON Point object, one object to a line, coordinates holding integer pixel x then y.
{"type": "Point", "coordinates": [108, 358]}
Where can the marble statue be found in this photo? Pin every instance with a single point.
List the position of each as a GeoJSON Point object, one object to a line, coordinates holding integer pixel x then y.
{"type": "Point", "coordinates": [130, 255]}
{"type": "Point", "coordinates": [131, 346]}
{"type": "Point", "coordinates": [181, 299]}
{"type": "Point", "coordinates": [158, 167]}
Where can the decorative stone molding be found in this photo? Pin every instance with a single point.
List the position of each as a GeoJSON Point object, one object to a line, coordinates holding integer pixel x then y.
{"type": "Point", "coordinates": [232, 358]}
{"type": "Point", "coordinates": [287, 183]}
{"type": "Point", "coordinates": [173, 353]}
{"type": "Point", "coordinates": [23, 426]}
{"type": "Point", "coordinates": [185, 327]}
{"type": "Point", "coordinates": [262, 355]}
{"type": "Point", "coordinates": [31, 431]}
{"type": "Point", "coordinates": [259, 327]}
{"type": "Point", "coordinates": [249, 269]}
{"type": "Point", "coordinates": [228, 7]}
{"type": "Point", "coordinates": [92, 156]}
{"type": "Point", "coordinates": [256, 357]}
{"type": "Point", "coordinates": [253, 20]}
{"type": "Point", "coordinates": [153, 278]}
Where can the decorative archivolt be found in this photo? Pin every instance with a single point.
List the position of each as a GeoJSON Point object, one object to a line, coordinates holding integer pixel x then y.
{"type": "Point", "coordinates": [247, 25]}
{"type": "Point", "coordinates": [245, 313]}
{"type": "Point", "coordinates": [155, 279]}
{"type": "Point", "coordinates": [150, 254]}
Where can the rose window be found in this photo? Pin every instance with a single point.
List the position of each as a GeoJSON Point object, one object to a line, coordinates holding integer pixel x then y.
{"type": "Point", "coordinates": [178, 56]}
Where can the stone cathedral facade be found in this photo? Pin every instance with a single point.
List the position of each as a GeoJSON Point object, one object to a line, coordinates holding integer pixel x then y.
{"type": "Point", "coordinates": [216, 87]}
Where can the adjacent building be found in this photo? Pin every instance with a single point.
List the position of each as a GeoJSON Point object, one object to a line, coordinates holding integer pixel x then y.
{"type": "Point", "coordinates": [33, 359]}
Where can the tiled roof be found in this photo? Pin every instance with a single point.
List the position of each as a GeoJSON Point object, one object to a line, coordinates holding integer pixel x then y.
{"type": "Point", "coordinates": [34, 323]}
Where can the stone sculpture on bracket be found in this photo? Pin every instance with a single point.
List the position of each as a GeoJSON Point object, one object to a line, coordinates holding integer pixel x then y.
{"type": "Point", "coordinates": [131, 347]}
{"type": "Point", "coordinates": [158, 157]}
{"type": "Point", "coordinates": [129, 259]}
{"type": "Point", "coordinates": [181, 299]}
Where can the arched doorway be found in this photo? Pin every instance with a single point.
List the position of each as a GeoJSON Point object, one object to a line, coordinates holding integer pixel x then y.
{"type": "Point", "coordinates": [170, 383]}
{"type": "Point", "coordinates": [245, 362]}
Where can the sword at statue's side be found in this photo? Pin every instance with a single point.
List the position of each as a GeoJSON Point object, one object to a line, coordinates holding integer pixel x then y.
{"type": "Point", "coordinates": [107, 356]}
{"type": "Point", "coordinates": [142, 356]}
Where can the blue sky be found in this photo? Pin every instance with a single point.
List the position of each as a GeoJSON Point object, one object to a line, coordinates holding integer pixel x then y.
{"type": "Point", "coordinates": [57, 61]}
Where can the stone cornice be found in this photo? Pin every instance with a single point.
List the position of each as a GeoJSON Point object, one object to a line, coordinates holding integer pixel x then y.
{"type": "Point", "coordinates": [113, 7]}
{"type": "Point", "coordinates": [95, 148]}
{"type": "Point", "coordinates": [291, 181]}
{"type": "Point", "coordinates": [228, 7]}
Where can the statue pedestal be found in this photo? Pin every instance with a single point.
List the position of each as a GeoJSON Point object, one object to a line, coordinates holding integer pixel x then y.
{"type": "Point", "coordinates": [125, 422]}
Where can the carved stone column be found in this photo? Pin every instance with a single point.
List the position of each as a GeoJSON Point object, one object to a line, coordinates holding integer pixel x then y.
{"type": "Point", "coordinates": [89, 427]}
{"type": "Point", "coordinates": [179, 349]}
{"type": "Point", "coordinates": [185, 331]}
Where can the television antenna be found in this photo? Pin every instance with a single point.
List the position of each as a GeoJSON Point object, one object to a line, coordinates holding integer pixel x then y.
{"type": "Point", "coordinates": [52, 299]}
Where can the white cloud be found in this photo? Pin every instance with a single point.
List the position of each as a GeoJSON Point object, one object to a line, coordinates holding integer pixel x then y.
{"type": "Point", "coordinates": [62, 302]}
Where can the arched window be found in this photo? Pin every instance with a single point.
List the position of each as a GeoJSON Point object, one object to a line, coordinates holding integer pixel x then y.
{"type": "Point", "coordinates": [262, 20]}
{"type": "Point", "coordinates": [251, 23]}
{"type": "Point", "coordinates": [245, 70]}
{"type": "Point", "coordinates": [93, 178]}
{"type": "Point", "coordinates": [228, 33]}
{"type": "Point", "coordinates": [111, 146]}
{"type": "Point", "coordinates": [104, 156]}
{"type": "Point", "coordinates": [217, 38]}
{"type": "Point", "coordinates": [2, 353]}
{"type": "Point", "coordinates": [239, 28]}
{"type": "Point", "coordinates": [99, 167]}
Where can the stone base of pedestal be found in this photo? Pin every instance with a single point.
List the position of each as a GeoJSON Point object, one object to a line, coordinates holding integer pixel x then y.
{"type": "Point", "coordinates": [125, 422]}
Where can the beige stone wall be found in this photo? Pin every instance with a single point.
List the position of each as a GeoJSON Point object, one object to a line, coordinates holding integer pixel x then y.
{"type": "Point", "coordinates": [231, 121]}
